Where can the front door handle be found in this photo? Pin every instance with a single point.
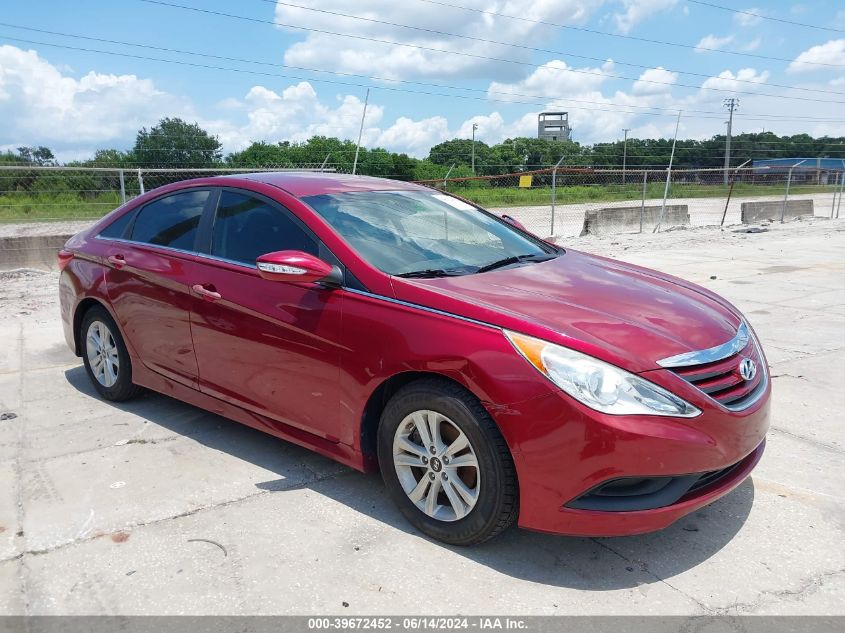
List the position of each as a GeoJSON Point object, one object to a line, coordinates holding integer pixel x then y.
{"type": "Point", "coordinates": [117, 261]}
{"type": "Point", "coordinates": [206, 291]}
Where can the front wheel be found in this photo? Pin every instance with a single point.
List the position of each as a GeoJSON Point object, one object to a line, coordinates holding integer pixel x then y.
{"type": "Point", "coordinates": [445, 464]}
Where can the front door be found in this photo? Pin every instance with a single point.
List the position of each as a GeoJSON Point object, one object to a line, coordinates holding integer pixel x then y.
{"type": "Point", "coordinates": [270, 347]}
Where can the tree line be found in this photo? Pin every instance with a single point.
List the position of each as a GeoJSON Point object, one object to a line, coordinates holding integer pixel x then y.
{"type": "Point", "coordinates": [174, 143]}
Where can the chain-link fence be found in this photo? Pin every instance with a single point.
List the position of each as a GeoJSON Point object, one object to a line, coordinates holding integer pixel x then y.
{"type": "Point", "coordinates": [561, 201]}
{"type": "Point", "coordinates": [574, 201]}
{"type": "Point", "coordinates": [45, 194]}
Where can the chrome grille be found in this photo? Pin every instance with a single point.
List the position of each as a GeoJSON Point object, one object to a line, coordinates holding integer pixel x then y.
{"type": "Point", "coordinates": [716, 371]}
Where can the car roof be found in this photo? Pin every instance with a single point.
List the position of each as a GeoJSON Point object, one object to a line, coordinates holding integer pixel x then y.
{"type": "Point", "coordinates": [312, 183]}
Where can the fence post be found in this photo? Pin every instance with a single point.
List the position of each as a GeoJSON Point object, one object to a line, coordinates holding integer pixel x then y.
{"type": "Point", "coordinates": [325, 160]}
{"type": "Point", "coordinates": [642, 205]}
{"type": "Point", "coordinates": [141, 181]}
{"type": "Point", "coordinates": [122, 188]}
{"type": "Point", "coordinates": [668, 176]}
{"type": "Point", "coordinates": [554, 193]}
{"type": "Point", "coordinates": [786, 193]}
{"type": "Point", "coordinates": [731, 190]}
{"type": "Point", "coordinates": [841, 188]}
{"type": "Point", "coordinates": [446, 177]}
{"type": "Point", "coordinates": [833, 202]}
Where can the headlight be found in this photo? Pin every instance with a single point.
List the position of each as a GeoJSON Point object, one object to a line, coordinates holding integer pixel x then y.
{"type": "Point", "coordinates": [599, 385]}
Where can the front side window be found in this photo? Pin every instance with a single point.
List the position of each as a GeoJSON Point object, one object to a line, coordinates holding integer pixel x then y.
{"type": "Point", "coordinates": [246, 227]}
{"type": "Point", "coordinates": [171, 221]}
{"type": "Point", "coordinates": [422, 233]}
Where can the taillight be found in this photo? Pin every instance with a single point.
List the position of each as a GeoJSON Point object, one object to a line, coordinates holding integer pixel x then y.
{"type": "Point", "coordinates": [64, 258]}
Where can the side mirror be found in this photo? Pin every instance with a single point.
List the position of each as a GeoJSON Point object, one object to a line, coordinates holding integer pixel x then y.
{"type": "Point", "coordinates": [296, 266]}
{"type": "Point", "coordinates": [511, 220]}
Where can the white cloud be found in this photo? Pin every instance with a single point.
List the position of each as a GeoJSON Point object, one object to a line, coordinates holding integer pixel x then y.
{"type": "Point", "coordinates": [712, 41]}
{"type": "Point", "coordinates": [635, 11]}
{"type": "Point", "coordinates": [40, 104]}
{"type": "Point", "coordinates": [742, 80]}
{"type": "Point", "coordinates": [414, 137]}
{"type": "Point", "coordinates": [295, 114]}
{"type": "Point", "coordinates": [753, 45]}
{"type": "Point", "coordinates": [555, 78]}
{"type": "Point", "coordinates": [332, 52]}
{"type": "Point", "coordinates": [652, 81]}
{"type": "Point", "coordinates": [832, 52]}
{"type": "Point", "coordinates": [746, 19]}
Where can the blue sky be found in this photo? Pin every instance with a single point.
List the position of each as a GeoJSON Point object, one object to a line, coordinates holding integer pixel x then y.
{"type": "Point", "coordinates": [75, 101]}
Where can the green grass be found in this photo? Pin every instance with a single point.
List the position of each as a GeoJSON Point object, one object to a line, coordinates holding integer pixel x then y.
{"type": "Point", "coordinates": [42, 207]}
{"type": "Point", "coordinates": [16, 207]}
{"type": "Point", "coordinates": [577, 194]}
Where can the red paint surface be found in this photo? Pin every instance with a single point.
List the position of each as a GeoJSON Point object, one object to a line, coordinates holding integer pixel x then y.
{"type": "Point", "coordinates": [301, 361]}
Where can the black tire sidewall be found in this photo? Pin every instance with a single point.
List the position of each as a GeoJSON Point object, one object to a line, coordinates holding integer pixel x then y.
{"type": "Point", "coordinates": [123, 387]}
{"type": "Point", "coordinates": [485, 516]}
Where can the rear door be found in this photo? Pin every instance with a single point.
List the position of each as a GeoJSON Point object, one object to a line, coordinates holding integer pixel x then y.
{"type": "Point", "coordinates": [150, 266]}
{"type": "Point", "coordinates": [270, 347]}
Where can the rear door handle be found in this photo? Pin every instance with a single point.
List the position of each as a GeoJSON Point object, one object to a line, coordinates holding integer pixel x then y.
{"type": "Point", "coordinates": [117, 261]}
{"type": "Point", "coordinates": [207, 293]}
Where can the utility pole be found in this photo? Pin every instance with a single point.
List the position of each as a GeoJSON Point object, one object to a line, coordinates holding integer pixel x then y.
{"type": "Point", "coordinates": [731, 104]}
{"type": "Point", "coordinates": [360, 132]}
{"type": "Point", "coordinates": [474, 128]}
{"type": "Point", "coordinates": [625, 130]}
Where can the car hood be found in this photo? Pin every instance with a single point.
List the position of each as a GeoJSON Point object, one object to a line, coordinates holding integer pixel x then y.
{"type": "Point", "coordinates": [625, 314]}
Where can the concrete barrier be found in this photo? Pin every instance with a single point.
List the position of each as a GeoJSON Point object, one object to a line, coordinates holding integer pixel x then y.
{"type": "Point", "coordinates": [627, 219]}
{"type": "Point", "coordinates": [30, 251]}
{"type": "Point", "coordinates": [763, 211]}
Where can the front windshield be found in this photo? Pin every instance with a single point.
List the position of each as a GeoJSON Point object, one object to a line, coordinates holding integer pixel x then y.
{"type": "Point", "coordinates": [409, 232]}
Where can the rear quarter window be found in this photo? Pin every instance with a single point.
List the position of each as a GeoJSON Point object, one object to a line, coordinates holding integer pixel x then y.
{"type": "Point", "coordinates": [118, 228]}
{"type": "Point", "coordinates": [171, 221]}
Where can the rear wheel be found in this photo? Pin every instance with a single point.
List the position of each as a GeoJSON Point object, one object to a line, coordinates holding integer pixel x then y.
{"type": "Point", "coordinates": [105, 356]}
{"type": "Point", "coordinates": [445, 464]}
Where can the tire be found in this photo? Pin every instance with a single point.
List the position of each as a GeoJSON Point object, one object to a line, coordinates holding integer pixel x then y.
{"type": "Point", "coordinates": [480, 500]}
{"type": "Point", "coordinates": [108, 366]}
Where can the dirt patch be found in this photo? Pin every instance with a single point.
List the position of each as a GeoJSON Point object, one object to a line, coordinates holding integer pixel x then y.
{"type": "Point", "coordinates": [25, 292]}
{"type": "Point", "coordinates": [120, 537]}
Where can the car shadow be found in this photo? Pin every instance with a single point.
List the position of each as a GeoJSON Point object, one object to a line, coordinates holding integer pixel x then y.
{"type": "Point", "coordinates": [593, 564]}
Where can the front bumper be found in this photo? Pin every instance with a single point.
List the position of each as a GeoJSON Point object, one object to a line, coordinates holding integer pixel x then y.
{"type": "Point", "coordinates": [563, 450]}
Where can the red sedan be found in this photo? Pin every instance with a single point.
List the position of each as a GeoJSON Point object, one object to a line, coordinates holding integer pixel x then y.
{"type": "Point", "coordinates": [492, 377]}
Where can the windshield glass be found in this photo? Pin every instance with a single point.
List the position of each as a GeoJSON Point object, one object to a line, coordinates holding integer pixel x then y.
{"type": "Point", "coordinates": [402, 232]}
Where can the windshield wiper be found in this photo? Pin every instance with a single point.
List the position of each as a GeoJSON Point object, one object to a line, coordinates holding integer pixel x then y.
{"type": "Point", "coordinates": [516, 259]}
{"type": "Point", "coordinates": [429, 273]}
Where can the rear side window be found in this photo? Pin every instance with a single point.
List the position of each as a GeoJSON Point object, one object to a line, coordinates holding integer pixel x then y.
{"type": "Point", "coordinates": [171, 221]}
{"type": "Point", "coordinates": [246, 227]}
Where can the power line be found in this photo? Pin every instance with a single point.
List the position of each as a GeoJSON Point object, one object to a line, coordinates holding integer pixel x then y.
{"type": "Point", "coordinates": [762, 17]}
{"type": "Point", "coordinates": [554, 52]}
{"type": "Point", "coordinates": [598, 32]}
{"type": "Point", "coordinates": [316, 70]}
{"type": "Point", "coordinates": [608, 34]}
{"type": "Point", "coordinates": [376, 78]}
{"type": "Point", "coordinates": [662, 112]}
{"type": "Point", "coordinates": [703, 114]}
{"type": "Point", "coordinates": [465, 54]}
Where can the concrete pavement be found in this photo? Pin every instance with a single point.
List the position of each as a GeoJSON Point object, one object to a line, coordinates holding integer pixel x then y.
{"type": "Point", "coordinates": [156, 507]}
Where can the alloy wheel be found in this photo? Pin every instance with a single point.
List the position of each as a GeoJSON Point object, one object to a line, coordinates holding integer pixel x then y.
{"type": "Point", "coordinates": [102, 353]}
{"type": "Point", "coordinates": [436, 465]}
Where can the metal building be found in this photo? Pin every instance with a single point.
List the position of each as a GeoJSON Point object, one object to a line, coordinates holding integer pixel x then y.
{"type": "Point", "coordinates": [554, 126]}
